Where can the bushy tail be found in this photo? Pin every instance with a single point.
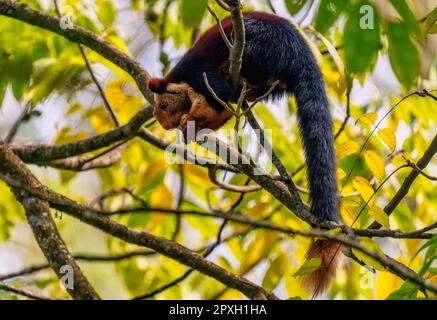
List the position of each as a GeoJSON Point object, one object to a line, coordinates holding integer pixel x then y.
{"type": "Point", "coordinates": [316, 129]}
{"type": "Point", "coordinates": [328, 252]}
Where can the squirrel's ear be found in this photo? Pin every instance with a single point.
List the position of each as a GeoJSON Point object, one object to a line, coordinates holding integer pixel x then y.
{"type": "Point", "coordinates": [157, 85]}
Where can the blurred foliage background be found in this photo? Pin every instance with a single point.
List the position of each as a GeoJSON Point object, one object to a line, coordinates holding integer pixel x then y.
{"type": "Point", "coordinates": [367, 72]}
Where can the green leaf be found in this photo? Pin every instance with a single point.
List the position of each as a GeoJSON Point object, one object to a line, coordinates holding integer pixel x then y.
{"type": "Point", "coordinates": [86, 22]}
{"type": "Point", "coordinates": [294, 6]}
{"type": "Point", "coordinates": [329, 11]}
{"type": "Point", "coordinates": [192, 12]}
{"type": "Point", "coordinates": [2, 92]}
{"type": "Point", "coordinates": [431, 243]}
{"type": "Point", "coordinates": [432, 270]}
{"type": "Point", "coordinates": [431, 22]}
{"type": "Point", "coordinates": [3, 78]}
{"type": "Point", "coordinates": [403, 53]}
{"type": "Point", "coordinates": [308, 266]}
{"type": "Point", "coordinates": [106, 12]}
{"type": "Point", "coordinates": [20, 72]}
{"type": "Point", "coordinates": [361, 39]}
{"type": "Point", "coordinates": [406, 292]}
{"type": "Point", "coordinates": [408, 17]}
{"type": "Point", "coordinates": [138, 220]}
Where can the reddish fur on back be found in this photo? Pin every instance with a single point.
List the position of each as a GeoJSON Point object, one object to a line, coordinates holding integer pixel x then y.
{"type": "Point", "coordinates": [157, 85]}
{"type": "Point", "coordinates": [328, 252]}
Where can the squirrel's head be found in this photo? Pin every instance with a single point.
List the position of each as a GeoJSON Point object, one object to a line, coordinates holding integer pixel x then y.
{"type": "Point", "coordinates": [171, 102]}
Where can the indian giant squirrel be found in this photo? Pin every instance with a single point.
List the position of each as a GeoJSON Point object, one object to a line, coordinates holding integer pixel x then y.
{"type": "Point", "coordinates": [275, 50]}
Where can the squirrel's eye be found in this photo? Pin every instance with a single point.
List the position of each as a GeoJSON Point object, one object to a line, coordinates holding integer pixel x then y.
{"type": "Point", "coordinates": [163, 106]}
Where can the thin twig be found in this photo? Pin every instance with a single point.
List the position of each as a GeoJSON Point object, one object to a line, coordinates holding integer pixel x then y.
{"type": "Point", "coordinates": [220, 27]}
{"type": "Point", "coordinates": [21, 292]}
{"type": "Point", "coordinates": [14, 129]}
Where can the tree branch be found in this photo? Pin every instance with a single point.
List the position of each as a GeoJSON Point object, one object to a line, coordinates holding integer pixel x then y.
{"type": "Point", "coordinates": [21, 292]}
{"type": "Point", "coordinates": [403, 191]}
{"type": "Point", "coordinates": [43, 226]}
{"type": "Point", "coordinates": [44, 154]}
{"type": "Point", "coordinates": [163, 246]}
{"type": "Point", "coordinates": [236, 52]}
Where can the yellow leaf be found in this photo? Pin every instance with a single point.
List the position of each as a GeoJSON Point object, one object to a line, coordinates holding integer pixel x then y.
{"type": "Point", "coordinates": [348, 212]}
{"type": "Point", "coordinates": [198, 176]}
{"type": "Point", "coordinates": [364, 188]}
{"type": "Point", "coordinates": [275, 272]}
{"type": "Point", "coordinates": [370, 261]}
{"type": "Point", "coordinates": [161, 198]}
{"type": "Point", "coordinates": [369, 118]}
{"type": "Point", "coordinates": [145, 176]}
{"type": "Point", "coordinates": [388, 136]}
{"type": "Point", "coordinates": [380, 216]}
{"type": "Point", "coordinates": [375, 163]}
{"type": "Point", "coordinates": [234, 246]}
{"type": "Point", "coordinates": [67, 135]}
{"type": "Point", "coordinates": [258, 210]}
{"type": "Point", "coordinates": [334, 79]}
{"type": "Point", "coordinates": [73, 108]}
{"type": "Point", "coordinates": [347, 148]}
{"type": "Point", "coordinates": [340, 173]}
{"type": "Point", "coordinates": [118, 42]}
{"type": "Point", "coordinates": [99, 120]}
{"type": "Point", "coordinates": [386, 283]}
{"type": "Point", "coordinates": [257, 248]}
{"type": "Point", "coordinates": [66, 176]}
{"type": "Point", "coordinates": [294, 287]}
{"type": "Point", "coordinates": [336, 231]}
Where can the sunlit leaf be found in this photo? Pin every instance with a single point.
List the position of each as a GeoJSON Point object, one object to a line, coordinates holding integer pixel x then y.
{"type": "Point", "coordinates": [347, 148]}
{"type": "Point", "coordinates": [380, 216]}
{"type": "Point", "coordinates": [369, 118]}
{"type": "Point", "coordinates": [275, 272]}
{"type": "Point", "coordinates": [388, 136]}
{"type": "Point", "coordinates": [375, 163]}
{"type": "Point", "coordinates": [106, 12]}
{"type": "Point", "coordinates": [73, 109]}
{"type": "Point", "coordinates": [408, 291]}
{"type": "Point", "coordinates": [258, 248]}
{"type": "Point", "coordinates": [340, 174]}
{"type": "Point", "coordinates": [364, 187]}
{"type": "Point", "coordinates": [370, 261]}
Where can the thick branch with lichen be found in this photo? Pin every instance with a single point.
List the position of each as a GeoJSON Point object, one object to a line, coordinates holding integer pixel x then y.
{"type": "Point", "coordinates": [163, 246]}
{"type": "Point", "coordinates": [43, 227]}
